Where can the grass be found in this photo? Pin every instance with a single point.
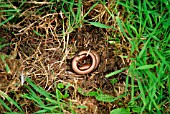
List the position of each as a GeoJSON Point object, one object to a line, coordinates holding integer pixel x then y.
{"type": "Point", "coordinates": [47, 102]}
{"type": "Point", "coordinates": [143, 25]}
{"type": "Point", "coordinates": [149, 66]}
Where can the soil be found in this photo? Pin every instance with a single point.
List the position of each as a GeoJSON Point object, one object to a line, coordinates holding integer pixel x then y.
{"type": "Point", "coordinates": [35, 54]}
{"type": "Point", "coordinates": [47, 60]}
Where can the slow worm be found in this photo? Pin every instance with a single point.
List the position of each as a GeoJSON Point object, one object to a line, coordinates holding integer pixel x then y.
{"type": "Point", "coordinates": [86, 68]}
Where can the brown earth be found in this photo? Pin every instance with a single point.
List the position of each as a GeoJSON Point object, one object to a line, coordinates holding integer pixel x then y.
{"type": "Point", "coordinates": [47, 60]}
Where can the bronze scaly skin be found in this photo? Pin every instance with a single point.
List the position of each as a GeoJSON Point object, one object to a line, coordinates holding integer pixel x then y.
{"type": "Point", "coordinates": [87, 68]}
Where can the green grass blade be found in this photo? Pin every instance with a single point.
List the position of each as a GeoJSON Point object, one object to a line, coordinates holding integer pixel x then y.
{"type": "Point", "coordinates": [126, 6]}
{"type": "Point", "coordinates": [3, 57]}
{"type": "Point", "coordinates": [146, 67]}
{"type": "Point", "coordinates": [141, 88]}
{"type": "Point", "coordinates": [91, 8]}
{"type": "Point", "coordinates": [100, 25]}
{"type": "Point", "coordinates": [37, 33]}
{"type": "Point", "coordinates": [78, 15]}
{"type": "Point", "coordinates": [11, 100]}
{"type": "Point", "coordinates": [33, 96]}
{"type": "Point", "coordinates": [104, 98]}
{"type": "Point", "coordinates": [11, 10]}
{"type": "Point", "coordinates": [38, 89]}
{"type": "Point", "coordinates": [115, 72]}
{"type": "Point", "coordinates": [8, 19]}
{"type": "Point", "coordinates": [3, 5]}
{"type": "Point", "coordinates": [4, 45]}
{"type": "Point", "coordinates": [119, 111]}
{"type": "Point", "coordinates": [132, 75]}
{"type": "Point", "coordinates": [121, 26]}
{"type": "Point", "coordinates": [5, 105]}
{"type": "Point", "coordinates": [143, 49]}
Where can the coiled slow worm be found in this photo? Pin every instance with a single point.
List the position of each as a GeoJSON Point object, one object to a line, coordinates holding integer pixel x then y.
{"type": "Point", "coordinates": [86, 68]}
